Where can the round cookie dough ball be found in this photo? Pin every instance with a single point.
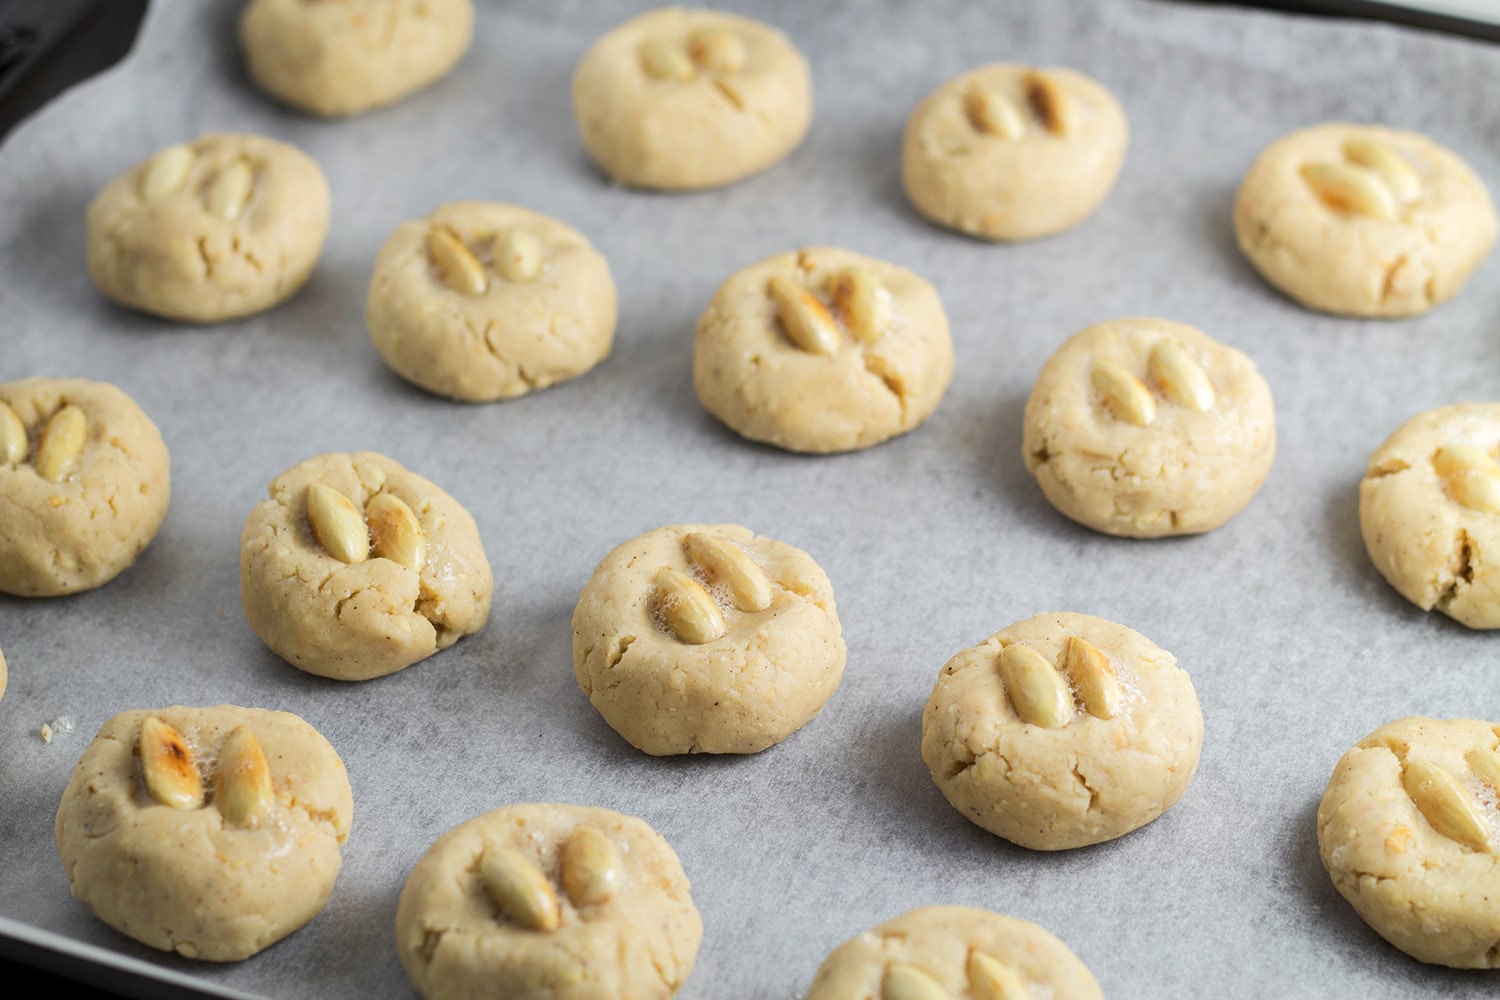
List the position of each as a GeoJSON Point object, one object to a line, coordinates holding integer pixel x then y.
{"type": "Point", "coordinates": [548, 902]}
{"type": "Point", "coordinates": [480, 302]}
{"type": "Point", "coordinates": [1062, 731]}
{"type": "Point", "coordinates": [215, 229]}
{"type": "Point", "coordinates": [1012, 152]}
{"type": "Point", "coordinates": [337, 59]}
{"type": "Point", "coordinates": [211, 832]}
{"type": "Point", "coordinates": [678, 99]}
{"type": "Point", "coordinates": [1145, 428]}
{"type": "Point", "coordinates": [356, 568]}
{"type": "Point", "coordinates": [86, 478]}
{"type": "Point", "coordinates": [706, 638]}
{"type": "Point", "coordinates": [1409, 831]}
{"type": "Point", "coordinates": [1429, 510]}
{"type": "Point", "coordinates": [954, 951]}
{"type": "Point", "coordinates": [822, 350]}
{"type": "Point", "coordinates": [1361, 220]}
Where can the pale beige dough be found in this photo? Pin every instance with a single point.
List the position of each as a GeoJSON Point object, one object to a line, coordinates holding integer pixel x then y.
{"type": "Point", "coordinates": [518, 334]}
{"type": "Point", "coordinates": [1439, 548]}
{"type": "Point", "coordinates": [355, 621]}
{"type": "Point", "coordinates": [1089, 781]}
{"type": "Point", "coordinates": [1434, 897]}
{"type": "Point", "coordinates": [190, 880]}
{"type": "Point", "coordinates": [1033, 176]}
{"type": "Point", "coordinates": [1187, 471]}
{"type": "Point", "coordinates": [1336, 260]}
{"type": "Point", "coordinates": [85, 529]}
{"type": "Point", "coordinates": [638, 940]}
{"type": "Point", "coordinates": [751, 375]}
{"type": "Point", "coordinates": [336, 59]}
{"type": "Point", "coordinates": [766, 677]}
{"type": "Point", "coordinates": [940, 943]}
{"type": "Point", "coordinates": [176, 256]}
{"type": "Point", "coordinates": [739, 101]}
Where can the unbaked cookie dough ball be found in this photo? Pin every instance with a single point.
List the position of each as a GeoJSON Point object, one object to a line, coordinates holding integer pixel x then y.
{"type": "Point", "coordinates": [337, 59]}
{"type": "Point", "coordinates": [678, 99]}
{"type": "Point", "coordinates": [1062, 731]}
{"type": "Point", "coordinates": [706, 638]}
{"type": "Point", "coordinates": [1361, 220]}
{"type": "Point", "coordinates": [85, 477]}
{"type": "Point", "coordinates": [1012, 152]}
{"type": "Point", "coordinates": [1145, 428]}
{"type": "Point", "coordinates": [954, 951]}
{"type": "Point", "coordinates": [481, 301]}
{"type": "Point", "coordinates": [356, 568]}
{"type": "Point", "coordinates": [1409, 830]}
{"type": "Point", "coordinates": [822, 350]}
{"type": "Point", "coordinates": [215, 229]}
{"type": "Point", "coordinates": [211, 832]}
{"type": "Point", "coordinates": [1429, 510]}
{"type": "Point", "coordinates": [548, 902]}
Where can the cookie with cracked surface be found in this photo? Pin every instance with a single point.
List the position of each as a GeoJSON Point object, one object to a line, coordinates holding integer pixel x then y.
{"type": "Point", "coordinates": [1144, 428]}
{"type": "Point", "coordinates": [356, 568]}
{"type": "Point", "coordinates": [222, 227]}
{"type": "Point", "coordinates": [822, 350]}
{"type": "Point", "coordinates": [1061, 731]}
{"type": "Point", "coordinates": [481, 301]}
{"type": "Point", "coordinates": [337, 59]}
{"type": "Point", "coordinates": [1429, 511]}
{"type": "Point", "coordinates": [677, 99]}
{"type": "Point", "coordinates": [546, 900]}
{"type": "Point", "coordinates": [1361, 220]}
{"type": "Point", "coordinates": [1409, 830]}
{"type": "Point", "coordinates": [938, 952]}
{"type": "Point", "coordinates": [707, 638]}
{"type": "Point", "coordinates": [1013, 152]}
{"type": "Point", "coordinates": [211, 832]}
{"type": "Point", "coordinates": [89, 472]}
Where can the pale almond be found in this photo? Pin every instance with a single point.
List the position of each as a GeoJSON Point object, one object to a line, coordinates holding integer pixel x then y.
{"type": "Point", "coordinates": [1179, 377]}
{"type": "Point", "coordinates": [61, 443]}
{"type": "Point", "coordinates": [1094, 678]}
{"type": "Point", "coordinates": [242, 780]}
{"type": "Point", "coordinates": [167, 172]}
{"type": "Point", "coordinates": [863, 303]}
{"type": "Point", "coordinates": [519, 890]}
{"type": "Point", "coordinates": [1035, 689]}
{"type": "Point", "coordinates": [518, 254]}
{"type": "Point", "coordinates": [991, 979]}
{"type": "Point", "coordinates": [591, 867]}
{"type": "Point", "coordinates": [1392, 167]}
{"type": "Point", "coordinates": [167, 765]}
{"type": "Point", "coordinates": [806, 321]}
{"type": "Point", "coordinates": [993, 114]}
{"type": "Point", "coordinates": [395, 532]}
{"type": "Point", "coordinates": [1470, 476]}
{"type": "Point", "coordinates": [665, 61]}
{"type": "Point", "coordinates": [456, 264]}
{"type": "Point", "coordinates": [337, 525]}
{"type": "Point", "coordinates": [904, 981]}
{"type": "Point", "coordinates": [1125, 395]}
{"type": "Point", "coordinates": [14, 444]}
{"type": "Point", "coordinates": [726, 563]}
{"type": "Point", "coordinates": [688, 609]}
{"type": "Point", "coordinates": [1446, 804]}
{"type": "Point", "coordinates": [1347, 188]}
{"type": "Point", "coordinates": [230, 191]}
{"type": "Point", "coordinates": [717, 50]}
{"type": "Point", "coordinates": [1054, 106]}
{"type": "Point", "coordinates": [1485, 764]}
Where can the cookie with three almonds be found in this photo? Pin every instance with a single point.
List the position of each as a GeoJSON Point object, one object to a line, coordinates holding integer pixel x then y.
{"type": "Point", "coordinates": [1012, 152]}
{"type": "Point", "coordinates": [211, 832]}
{"type": "Point", "coordinates": [355, 568]}
{"type": "Point", "coordinates": [707, 638]}
{"type": "Point", "coordinates": [482, 301]}
{"type": "Point", "coordinates": [87, 478]}
{"type": "Point", "coordinates": [676, 99]}
{"type": "Point", "coordinates": [221, 227]}
{"type": "Point", "coordinates": [1061, 731]}
{"type": "Point", "coordinates": [1144, 428]}
{"type": "Point", "coordinates": [1362, 220]}
{"type": "Point", "coordinates": [551, 901]}
{"type": "Point", "coordinates": [1409, 830]}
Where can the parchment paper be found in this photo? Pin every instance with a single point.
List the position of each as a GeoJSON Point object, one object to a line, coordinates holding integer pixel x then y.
{"type": "Point", "coordinates": [933, 541]}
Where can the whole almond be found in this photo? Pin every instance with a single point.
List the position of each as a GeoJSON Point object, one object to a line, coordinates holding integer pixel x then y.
{"type": "Point", "coordinates": [456, 265]}
{"type": "Point", "coordinates": [14, 445]}
{"type": "Point", "coordinates": [1347, 188]}
{"type": "Point", "coordinates": [1446, 804]}
{"type": "Point", "coordinates": [591, 867]}
{"type": "Point", "coordinates": [904, 981]}
{"type": "Point", "coordinates": [991, 979]}
{"type": "Point", "coordinates": [1392, 167]}
{"type": "Point", "coordinates": [242, 780]}
{"type": "Point", "coordinates": [806, 321]}
{"type": "Point", "coordinates": [725, 562]}
{"type": "Point", "coordinates": [1034, 687]}
{"type": "Point", "coordinates": [1470, 476]}
{"type": "Point", "coordinates": [61, 443]}
{"type": "Point", "coordinates": [1124, 395]}
{"type": "Point", "coordinates": [1179, 377]}
{"type": "Point", "coordinates": [337, 525]}
{"type": "Point", "coordinates": [230, 191]}
{"type": "Point", "coordinates": [1094, 678]}
{"type": "Point", "coordinates": [395, 532]}
{"type": "Point", "coordinates": [167, 765]}
{"type": "Point", "coordinates": [688, 610]}
{"type": "Point", "coordinates": [167, 172]}
{"type": "Point", "coordinates": [519, 890]}
{"type": "Point", "coordinates": [1054, 106]}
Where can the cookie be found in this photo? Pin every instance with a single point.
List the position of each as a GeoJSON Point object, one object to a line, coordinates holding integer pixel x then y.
{"type": "Point", "coordinates": [481, 301]}
{"type": "Point", "coordinates": [1360, 220]}
{"type": "Point", "coordinates": [938, 952]}
{"type": "Point", "coordinates": [1429, 510]}
{"type": "Point", "coordinates": [822, 350]}
{"type": "Point", "coordinates": [356, 568]}
{"type": "Point", "coordinates": [1062, 731]}
{"type": "Point", "coordinates": [215, 229]}
{"type": "Point", "coordinates": [1012, 152]}
{"type": "Point", "coordinates": [211, 832]}
{"type": "Point", "coordinates": [706, 638]}
{"type": "Point", "coordinates": [1409, 831]}
{"type": "Point", "coordinates": [1143, 428]}
{"type": "Point", "coordinates": [548, 902]}
{"type": "Point", "coordinates": [677, 99]}
{"type": "Point", "coordinates": [336, 59]}
{"type": "Point", "coordinates": [86, 477]}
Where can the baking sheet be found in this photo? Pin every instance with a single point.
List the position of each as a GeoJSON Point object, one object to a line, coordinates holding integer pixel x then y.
{"type": "Point", "coordinates": [933, 541]}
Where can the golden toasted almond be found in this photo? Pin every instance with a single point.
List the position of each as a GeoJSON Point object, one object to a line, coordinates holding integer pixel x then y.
{"type": "Point", "coordinates": [337, 525]}
{"type": "Point", "coordinates": [717, 50]}
{"type": "Point", "coordinates": [1124, 395]}
{"type": "Point", "coordinates": [1446, 804]}
{"type": "Point", "coordinates": [167, 765]}
{"type": "Point", "coordinates": [1179, 377]}
{"type": "Point", "coordinates": [14, 444]}
{"type": "Point", "coordinates": [456, 265]}
{"type": "Point", "coordinates": [591, 867]}
{"type": "Point", "coordinates": [904, 981]}
{"type": "Point", "coordinates": [242, 781]}
{"type": "Point", "coordinates": [725, 562]}
{"type": "Point", "coordinates": [519, 890]}
{"type": "Point", "coordinates": [230, 191]}
{"type": "Point", "coordinates": [1054, 106]}
{"type": "Point", "coordinates": [1035, 689]}
{"type": "Point", "coordinates": [688, 610]}
{"type": "Point", "coordinates": [1392, 167]}
{"type": "Point", "coordinates": [1094, 678]}
{"type": "Point", "coordinates": [991, 979]}
{"type": "Point", "coordinates": [61, 443]}
{"type": "Point", "coordinates": [1346, 188]}
{"type": "Point", "coordinates": [1470, 476]}
{"type": "Point", "coordinates": [167, 172]}
{"type": "Point", "coordinates": [806, 321]}
{"type": "Point", "coordinates": [395, 532]}
{"type": "Point", "coordinates": [993, 114]}
{"type": "Point", "coordinates": [663, 60]}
